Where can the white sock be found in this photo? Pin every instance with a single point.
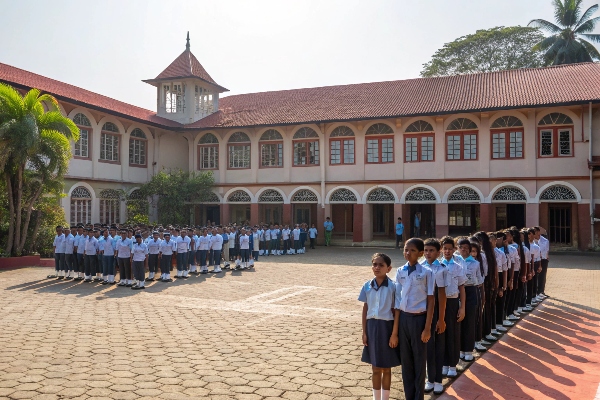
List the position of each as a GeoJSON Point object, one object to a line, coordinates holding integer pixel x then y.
{"type": "Point", "coordinates": [385, 394]}
{"type": "Point", "coordinates": [168, 276]}
{"type": "Point", "coordinates": [185, 273]}
{"type": "Point", "coordinates": [376, 394]}
{"type": "Point", "coordinates": [141, 284]}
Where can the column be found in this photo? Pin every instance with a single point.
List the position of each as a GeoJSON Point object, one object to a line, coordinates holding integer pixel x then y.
{"type": "Point", "coordinates": [543, 215]}
{"type": "Point", "coordinates": [320, 222]}
{"type": "Point", "coordinates": [254, 213]}
{"type": "Point", "coordinates": [441, 220]}
{"type": "Point", "coordinates": [367, 222]}
{"type": "Point", "coordinates": [287, 214]}
{"type": "Point", "coordinates": [224, 211]}
{"type": "Point", "coordinates": [398, 213]}
{"type": "Point", "coordinates": [585, 228]}
{"type": "Point", "coordinates": [532, 214]}
{"type": "Point", "coordinates": [357, 223]}
{"type": "Point", "coordinates": [407, 221]}
{"type": "Point", "coordinates": [486, 213]}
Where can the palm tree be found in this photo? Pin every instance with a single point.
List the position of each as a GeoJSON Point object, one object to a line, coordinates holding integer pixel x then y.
{"type": "Point", "coordinates": [34, 155]}
{"type": "Point", "coordinates": [567, 44]}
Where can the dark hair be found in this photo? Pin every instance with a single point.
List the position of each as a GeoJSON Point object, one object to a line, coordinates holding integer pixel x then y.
{"type": "Point", "coordinates": [433, 242]}
{"type": "Point", "coordinates": [517, 239]}
{"type": "Point", "coordinates": [537, 228]}
{"type": "Point", "coordinates": [417, 242]}
{"type": "Point", "coordinates": [386, 259]}
{"type": "Point", "coordinates": [475, 245]}
{"type": "Point", "coordinates": [525, 237]}
{"type": "Point", "coordinates": [531, 230]}
{"type": "Point", "coordinates": [447, 240]}
{"type": "Point", "coordinates": [500, 234]}
{"type": "Point", "coordinates": [400, 218]}
{"type": "Point", "coordinates": [462, 241]}
{"type": "Point", "coordinates": [488, 250]}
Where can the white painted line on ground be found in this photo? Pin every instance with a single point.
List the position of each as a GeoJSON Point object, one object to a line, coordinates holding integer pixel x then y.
{"type": "Point", "coordinates": [597, 397]}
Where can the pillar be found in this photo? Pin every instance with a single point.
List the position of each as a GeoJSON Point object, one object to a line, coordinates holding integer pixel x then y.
{"type": "Point", "coordinates": [286, 218]}
{"type": "Point", "coordinates": [224, 211]}
{"type": "Point", "coordinates": [543, 215]}
{"type": "Point", "coordinates": [398, 213]}
{"type": "Point", "coordinates": [585, 229]}
{"type": "Point", "coordinates": [407, 221]}
{"type": "Point", "coordinates": [320, 222]}
{"type": "Point", "coordinates": [357, 223]}
{"type": "Point", "coordinates": [441, 219]}
{"type": "Point", "coordinates": [532, 215]}
{"type": "Point", "coordinates": [367, 222]}
{"type": "Point", "coordinates": [254, 217]}
{"type": "Point", "coordinates": [486, 217]}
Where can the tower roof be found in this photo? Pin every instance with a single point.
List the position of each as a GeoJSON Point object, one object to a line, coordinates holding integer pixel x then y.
{"type": "Point", "coordinates": [185, 66]}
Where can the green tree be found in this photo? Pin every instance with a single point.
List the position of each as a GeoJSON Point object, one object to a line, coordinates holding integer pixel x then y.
{"type": "Point", "coordinates": [567, 45]}
{"type": "Point", "coordinates": [174, 192]}
{"type": "Point", "coordinates": [34, 156]}
{"type": "Point", "coordinates": [487, 50]}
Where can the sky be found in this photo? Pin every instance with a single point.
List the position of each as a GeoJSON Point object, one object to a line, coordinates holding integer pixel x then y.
{"type": "Point", "coordinates": [248, 46]}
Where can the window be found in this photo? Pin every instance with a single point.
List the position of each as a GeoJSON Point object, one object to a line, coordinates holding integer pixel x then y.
{"type": "Point", "coordinates": [174, 97]}
{"type": "Point", "coordinates": [306, 147]}
{"type": "Point", "coordinates": [110, 202]}
{"type": "Point", "coordinates": [239, 151]}
{"type": "Point", "coordinates": [271, 149]}
{"type": "Point", "coordinates": [81, 206]}
{"type": "Point", "coordinates": [555, 141]}
{"type": "Point", "coordinates": [507, 144]}
{"type": "Point", "coordinates": [204, 100]}
{"type": "Point", "coordinates": [380, 149]}
{"type": "Point", "coordinates": [341, 146]}
{"type": "Point", "coordinates": [137, 148]}
{"type": "Point", "coordinates": [461, 145]}
{"type": "Point", "coordinates": [85, 132]}
{"type": "Point", "coordinates": [208, 152]}
{"type": "Point", "coordinates": [418, 148]}
{"type": "Point", "coordinates": [459, 215]}
{"type": "Point", "coordinates": [109, 143]}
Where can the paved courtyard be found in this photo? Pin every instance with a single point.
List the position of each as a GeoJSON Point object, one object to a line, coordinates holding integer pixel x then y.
{"type": "Point", "coordinates": [289, 329]}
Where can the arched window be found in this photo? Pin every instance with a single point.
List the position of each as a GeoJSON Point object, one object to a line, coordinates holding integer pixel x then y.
{"type": "Point", "coordinates": [239, 196]}
{"type": "Point", "coordinates": [109, 143]}
{"type": "Point", "coordinates": [341, 146]}
{"type": "Point", "coordinates": [461, 141]}
{"type": "Point", "coordinates": [507, 138]}
{"type": "Point", "coordinates": [305, 196]}
{"type": "Point", "coordinates": [306, 147]}
{"type": "Point", "coordinates": [342, 196]}
{"type": "Point", "coordinates": [208, 152]}
{"type": "Point", "coordinates": [82, 146]}
{"type": "Point", "coordinates": [137, 148]}
{"type": "Point", "coordinates": [81, 206]}
{"type": "Point", "coordinates": [418, 142]}
{"type": "Point", "coordinates": [380, 147]}
{"type": "Point", "coordinates": [271, 149]}
{"type": "Point", "coordinates": [555, 136]}
{"type": "Point", "coordinates": [110, 206]}
{"type": "Point", "coordinates": [239, 151]}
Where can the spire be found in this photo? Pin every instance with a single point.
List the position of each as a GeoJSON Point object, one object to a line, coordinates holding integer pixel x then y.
{"type": "Point", "coordinates": [187, 44]}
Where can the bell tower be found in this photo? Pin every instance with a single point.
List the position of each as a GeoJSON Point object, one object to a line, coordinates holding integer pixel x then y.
{"type": "Point", "coordinates": [186, 93]}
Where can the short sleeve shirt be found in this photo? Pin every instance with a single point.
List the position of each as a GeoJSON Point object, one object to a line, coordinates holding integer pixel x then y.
{"type": "Point", "coordinates": [379, 299]}
{"type": "Point", "coordinates": [413, 288]}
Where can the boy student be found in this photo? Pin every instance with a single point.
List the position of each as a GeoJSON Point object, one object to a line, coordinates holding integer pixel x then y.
{"type": "Point", "coordinates": [183, 244]}
{"type": "Point", "coordinates": [502, 246]}
{"type": "Point", "coordinates": [296, 236]}
{"type": "Point", "coordinates": [166, 250]}
{"type": "Point", "coordinates": [108, 258]}
{"type": "Point", "coordinates": [69, 256]}
{"type": "Point", "coordinates": [139, 257]}
{"type": "Point", "coordinates": [285, 235]}
{"type": "Point", "coordinates": [544, 245]}
{"type": "Point", "coordinates": [437, 344]}
{"type": "Point", "coordinates": [91, 256]}
{"type": "Point", "coordinates": [59, 253]}
{"type": "Point", "coordinates": [536, 266]}
{"type": "Point", "coordinates": [203, 246]}
{"type": "Point", "coordinates": [225, 235]}
{"type": "Point", "coordinates": [312, 235]}
{"type": "Point", "coordinates": [124, 257]}
{"type": "Point", "coordinates": [513, 256]}
{"type": "Point", "coordinates": [216, 245]}
{"type": "Point", "coordinates": [80, 248]}
{"type": "Point", "coordinates": [328, 225]}
{"type": "Point", "coordinates": [98, 277]}
{"type": "Point", "coordinates": [244, 249]}
{"type": "Point", "coordinates": [399, 232]}
{"type": "Point", "coordinates": [153, 250]}
{"type": "Point", "coordinates": [267, 243]}
{"type": "Point", "coordinates": [472, 271]}
{"type": "Point", "coordinates": [414, 302]}
{"type": "Point", "coordinates": [526, 274]}
{"type": "Point", "coordinates": [455, 306]}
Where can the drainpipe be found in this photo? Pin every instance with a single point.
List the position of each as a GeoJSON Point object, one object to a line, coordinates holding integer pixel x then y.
{"type": "Point", "coordinates": [592, 220]}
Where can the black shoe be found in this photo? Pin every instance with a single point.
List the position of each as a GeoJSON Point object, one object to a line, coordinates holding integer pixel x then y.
{"type": "Point", "coordinates": [149, 279]}
{"type": "Point", "coordinates": [112, 283]}
{"type": "Point", "coordinates": [68, 278]}
{"type": "Point", "coordinates": [60, 277]}
{"type": "Point", "coordinates": [166, 280]}
{"type": "Point", "coordinates": [51, 276]}
{"type": "Point", "coordinates": [129, 285]}
{"type": "Point", "coordinates": [87, 280]}
{"type": "Point", "coordinates": [104, 283]}
{"type": "Point", "coordinates": [185, 277]}
{"type": "Point", "coordinates": [136, 287]}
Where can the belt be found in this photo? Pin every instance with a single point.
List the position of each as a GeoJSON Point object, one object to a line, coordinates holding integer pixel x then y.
{"type": "Point", "coordinates": [414, 314]}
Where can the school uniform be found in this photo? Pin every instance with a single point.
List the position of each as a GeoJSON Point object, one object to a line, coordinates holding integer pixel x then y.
{"type": "Point", "coordinates": [468, 325]}
{"type": "Point", "coordinates": [380, 323]}
{"type": "Point", "coordinates": [166, 250]}
{"type": "Point", "coordinates": [312, 235]}
{"type": "Point", "coordinates": [255, 243]}
{"type": "Point", "coordinates": [153, 251]}
{"type": "Point", "coordinates": [183, 244]}
{"type": "Point", "coordinates": [523, 285]}
{"type": "Point", "coordinates": [59, 253]}
{"type": "Point", "coordinates": [216, 245]}
{"type": "Point", "coordinates": [285, 234]}
{"type": "Point", "coordinates": [479, 330]}
{"type": "Point", "coordinates": [91, 257]}
{"type": "Point", "coordinates": [80, 256]}
{"type": "Point", "coordinates": [226, 246]}
{"type": "Point", "coordinates": [233, 246]}
{"type": "Point", "coordinates": [124, 260]}
{"type": "Point", "coordinates": [274, 246]}
{"type": "Point", "coordinates": [413, 285]}
{"type": "Point", "coordinates": [513, 298]}
{"type": "Point", "coordinates": [244, 249]}
{"type": "Point", "coordinates": [544, 245]}
{"type": "Point", "coordinates": [108, 259]}
{"type": "Point", "coordinates": [456, 279]}
{"type": "Point", "coordinates": [203, 246]}
{"type": "Point", "coordinates": [69, 246]}
{"type": "Point", "coordinates": [267, 241]}
{"type": "Point", "coordinates": [296, 235]}
{"type": "Point", "coordinates": [436, 346]}
{"type": "Point", "coordinates": [139, 253]}
{"type": "Point", "coordinates": [303, 239]}
{"type": "Point", "coordinates": [502, 263]}
{"type": "Point", "coordinates": [513, 257]}
{"type": "Point", "coordinates": [532, 284]}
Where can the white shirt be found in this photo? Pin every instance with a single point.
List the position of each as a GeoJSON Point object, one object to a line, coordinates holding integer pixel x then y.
{"type": "Point", "coordinates": [91, 246]}
{"type": "Point", "coordinates": [517, 256]}
{"type": "Point", "coordinates": [285, 234]}
{"type": "Point", "coordinates": [312, 233]}
{"type": "Point", "coordinates": [379, 299]}
{"type": "Point", "coordinates": [527, 255]}
{"type": "Point", "coordinates": [472, 272]}
{"type": "Point", "coordinates": [535, 252]}
{"type": "Point", "coordinates": [244, 242]}
{"type": "Point", "coordinates": [544, 247]}
{"type": "Point", "coordinates": [183, 244]}
{"type": "Point", "coordinates": [154, 246]}
{"type": "Point", "coordinates": [59, 243]}
{"type": "Point", "coordinates": [513, 255]}
{"type": "Point", "coordinates": [124, 247]}
{"type": "Point", "coordinates": [167, 248]}
{"type": "Point", "coordinates": [484, 264]}
{"type": "Point", "coordinates": [412, 289]}
{"type": "Point", "coordinates": [232, 240]}
{"type": "Point", "coordinates": [109, 245]}
{"type": "Point", "coordinates": [267, 234]}
{"type": "Point", "coordinates": [203, 243]}
{"type": "Point", "coordinates": [501, 260]}
{"type": "Point", "coordinates": [216, 242]}
{"type": "Point", "coordinates": [81, 244]}
{"type": "Point", "coordinates": [139, 251]}
{"type": "Point", "coordinates": [296, 233]}
{"type": "Point", "coordinates": [69, 243]}
{"type": "Point", "coordinates": [456, 277]}
{"type": "Point", "coordinates": [440, 273]}
{"type": "Point", "coordinates": [255, 240]}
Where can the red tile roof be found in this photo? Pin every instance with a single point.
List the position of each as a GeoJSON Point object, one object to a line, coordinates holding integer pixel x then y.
{"type": "Point", "coordinates": [77, 95]}
{"type": "Point", "coordinates": [185, 66]}
{"type": "Point", "coordinates": [559, 85]}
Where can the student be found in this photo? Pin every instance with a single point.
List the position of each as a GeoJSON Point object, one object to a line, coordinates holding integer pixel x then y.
{"type": "Point", "coordinates": [203, 247]}
{"type": "Point", "coordinates": [267, 240]}
{"type": "Point", "coordinates": [536, 267]}
{"type": "Point", "coordinates": [502, 258]}
{"type": "Point", "coordinates": [108, 258]}
{"type": "Point", "coordinates": [296, 235]}
{"type": "Point", "coordinates": [544, 245]}
{"type": "Point", "coordinates": [380, 326]}
{"type": "Point", "coordinates": [473, 274]}
{"type": "Point", "coordinates": [80, 248]}
{"type": "Point", "coordinates": [303, 234]}
{"type": "Point", "coordinates": [255, 245]}
{"type": "Point", "coordinates": [124, 258]}
{"type": "Point", "coordinates": [153, 250]}
{"type": "Point", "coordinates": [69, 256]}
{"type": "Point", "coordinates": [225, 236]}
{"type": "Point", "coordinates": [98, 277]}
{"type": "Point", "coordinates": [245, 249]}
{"type": "Point", "coordinates": [216, 246]}
{"type": "Point", "coordinates": [139, 257]}
{"type": "Point", "coordinates": [490, 285]}
{"type": "Point", "coordinates": [436, 346]}
{"type": "Point", "coordinates": [285, 234]}
{"type": "Point", "coordinates": [166, 250]}
{"type": "Point", "coordinates": [183, 244]}
{"type": "Point", "coordinates": [59, 253]}
{"type": "Point", "coordinates": [476, 254]}
{"type": "Point", "coordinates": [399, 232]}
{"type": "Point", "coordinates": [526, 275]}
{"type": "Point", "coordinates": [414, 302]}
{"type": "Point", "coordinates": [91, 257]}
{"type": "Point", "coordinates": [513, 256]}
{"type": "Point", "coordinates": [312, 234]}
{"type": "Point", "coordinates": [514, 240]}
{"type": "Point", "coordinates": [455, 305]}
{"type": "Point", "coordinates": [328, 225]}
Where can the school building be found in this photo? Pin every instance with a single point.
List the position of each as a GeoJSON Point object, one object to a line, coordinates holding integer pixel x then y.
{"type": "Point", "coordinates": [461, 153]}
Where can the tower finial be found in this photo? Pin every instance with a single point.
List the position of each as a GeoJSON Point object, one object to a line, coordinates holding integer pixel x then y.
{"type": "Point", "coordinates": [187, 44]}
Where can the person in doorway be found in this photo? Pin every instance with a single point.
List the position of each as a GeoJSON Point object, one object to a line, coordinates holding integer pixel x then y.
{"type": "Point", "coordinates": [312, 233]}
{"type": "Point", "coordinates": [417, 224]}
{"type": "Point", "coordinates": [328, 225]}
{"type": "Point", "coordinates": [399, 232]}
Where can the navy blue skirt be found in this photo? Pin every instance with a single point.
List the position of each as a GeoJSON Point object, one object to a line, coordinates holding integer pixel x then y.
{"type": "Point", "coordinates": [378, 353]}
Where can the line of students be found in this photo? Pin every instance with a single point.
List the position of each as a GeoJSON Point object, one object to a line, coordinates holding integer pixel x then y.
{"type": "Point", "coordinates": [453, 296]}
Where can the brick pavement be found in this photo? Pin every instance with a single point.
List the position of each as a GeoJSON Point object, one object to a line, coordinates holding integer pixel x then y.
{"type": "Point", "coordinates": [290, 329]}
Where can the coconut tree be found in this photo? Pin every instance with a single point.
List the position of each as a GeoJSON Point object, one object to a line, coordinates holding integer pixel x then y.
{"type": "Point", "coordinates": [570, 36]}
{"type": "Point", "coordinates": [34, 155]}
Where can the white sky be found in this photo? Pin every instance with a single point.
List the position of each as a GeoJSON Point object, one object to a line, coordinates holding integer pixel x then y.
{"type": "Point", "coordinates": [109, 46]}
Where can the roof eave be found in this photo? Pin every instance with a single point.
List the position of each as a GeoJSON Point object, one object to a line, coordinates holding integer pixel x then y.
{"type": "Point", "coordinates": [155, 81]}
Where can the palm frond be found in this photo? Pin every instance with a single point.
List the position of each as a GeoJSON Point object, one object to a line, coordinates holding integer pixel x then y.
{"type": "Point", "coordinates": [587, 26]}
{"type": "Point", "coordinates": [559, 11]}
{"type": "Point", "coordinates": [31, 102]}
{"type": "Point", "coordinates": [545, 43]}
{"type": "Point", "coordinates": [592, 37]}
{"type": "Point", "coordinates": [545, 25]}
{"type": "Point", "coordinates": [590, 49]}
{"type": "Point", "coordinates": [50, 101]}
{"type": "Point", "coordinates": [587, 15]}
{"type": "Point", "coordinates": [54, 120]}
{"type": "Point", "coordinates": [11, 101]}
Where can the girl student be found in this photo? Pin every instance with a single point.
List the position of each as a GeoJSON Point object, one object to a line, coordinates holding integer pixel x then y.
{"type": "Point", "coordinates": [477, 255]}
{"type": "Point", "coordinates": [527, 274]}
{"type": "Point", "coordinates": [490, 286]}
{"type": "Point", "coordinates": [513, 257]}
{"type": "Point", "coordinates": [414, 303]}
{"type": "Point", "coordinates": [502, 247]}
{"type": "Point", "coordinates": [473, 273]}
{"type": "Point", "coordinates": [537, 268]}
{"type": "Point", "coordinates": [455, 305]}
{"type": "Point", "coordinates": [436, 346]}
{"type": "Point", "coordinates": [380, 326]}
{"type": "Point", "coordinates": [514, 240]}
